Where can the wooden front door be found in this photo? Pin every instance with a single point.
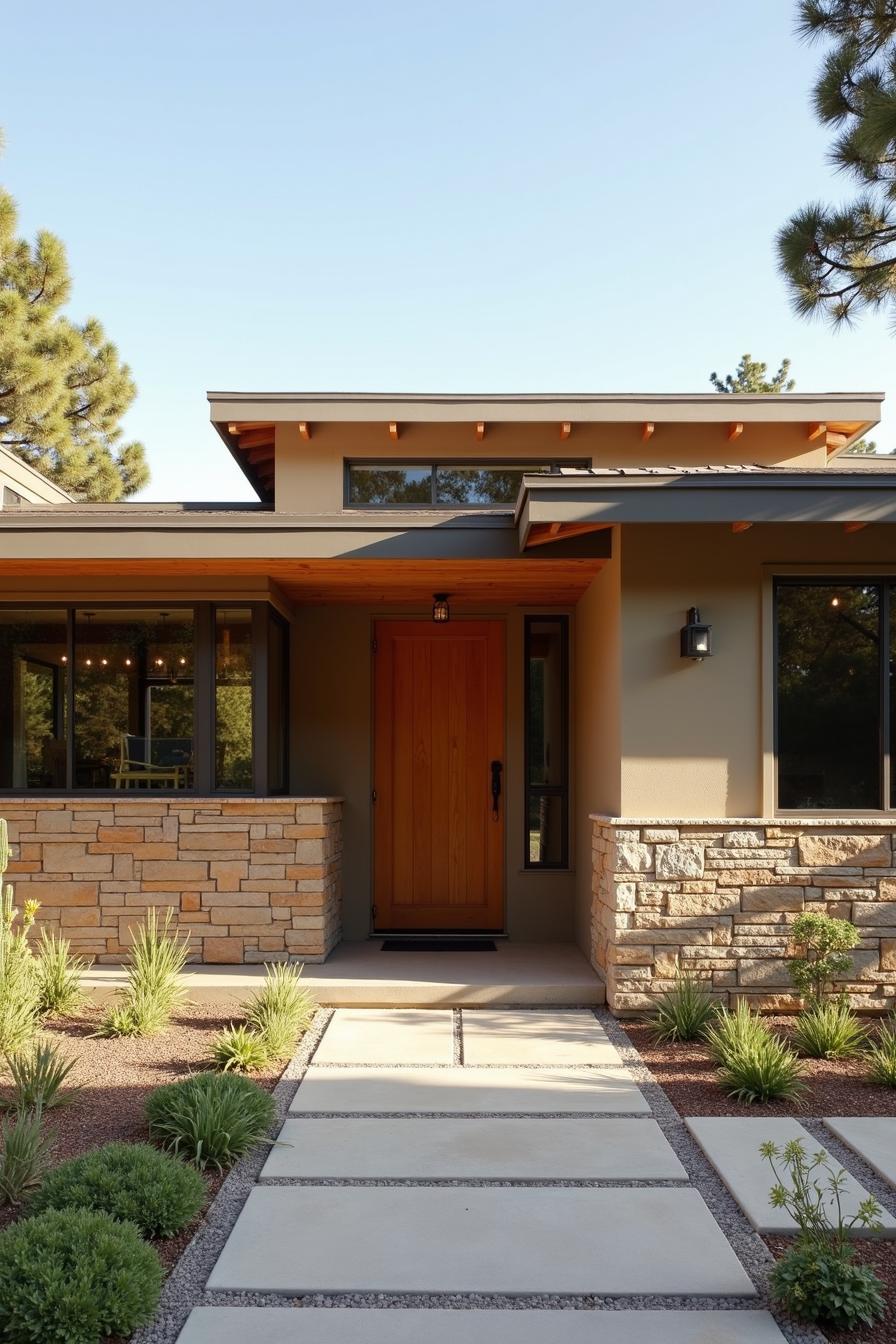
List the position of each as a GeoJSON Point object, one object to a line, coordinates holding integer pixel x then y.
{"type": "Point", "coordinates": [438, 727]}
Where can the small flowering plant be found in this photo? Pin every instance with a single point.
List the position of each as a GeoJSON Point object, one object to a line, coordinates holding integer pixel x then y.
{"type": "Point", "coordinates": [818, 1280]}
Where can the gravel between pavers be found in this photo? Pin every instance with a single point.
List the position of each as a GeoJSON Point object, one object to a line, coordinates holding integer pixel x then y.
{"type": "Point", "coordinates": [186, 1286]}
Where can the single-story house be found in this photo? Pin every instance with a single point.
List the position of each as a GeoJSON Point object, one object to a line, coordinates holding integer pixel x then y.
{"type": "Point", "coordinates": [612, 671]}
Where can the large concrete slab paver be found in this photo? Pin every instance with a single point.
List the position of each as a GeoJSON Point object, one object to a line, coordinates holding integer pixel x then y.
{"type": "Point", "coordinates": [387, 1036]}
{"type": "Point", "coordinates": [463, 1239]}
{"type": "Point", "coordinates": [345, 1325]}
{"type": "Point", "coordinates": [872, 1137]}
{"type": "Point", "coordinates": [551, 1037]}
{"type": "Point", "coordinates": [474, 1149]}
{"type": "Point", "coordinates": [732, 1145]}
{"type": "Point", "coordinates": [531, 1091]}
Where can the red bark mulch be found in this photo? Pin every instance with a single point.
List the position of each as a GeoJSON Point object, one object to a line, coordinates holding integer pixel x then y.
{"type": "Point", "coordinates": [688, 1077]}
{"type": "Point", "coordinates": [116, 1076]}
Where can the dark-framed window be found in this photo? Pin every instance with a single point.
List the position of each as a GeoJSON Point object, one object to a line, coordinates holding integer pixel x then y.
{"type": "Point", "coordinates": [139, 696]}
{"type": "Point", "coordinates": [462, 484]}
{"type": "Point", "coordinates": [835, 645]}
{"type": "Point", "coordinates": [546, 707]}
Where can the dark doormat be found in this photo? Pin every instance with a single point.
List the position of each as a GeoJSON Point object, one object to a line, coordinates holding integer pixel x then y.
{"type": "Point", "coordinates": [438, 945]}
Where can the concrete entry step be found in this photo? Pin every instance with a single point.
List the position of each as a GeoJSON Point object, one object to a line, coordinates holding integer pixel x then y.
{"type": "Point", "coordinates": [462, 1239]}
{"type": "Point", "coordinates": [732, 1145]}
{"type": "Point", "coordinates": [571, 1091]}
{"type": "Point", "coordinates": [547, 1036]}
{"type": "Point", "coordinates": [488, 1149]}
{"type": "Point", "coordinates": [343, 1325]}
{"type": "Point", "coordinates": [873, 1138]}
{"type": "Point", "coordinates": [387, 1036]}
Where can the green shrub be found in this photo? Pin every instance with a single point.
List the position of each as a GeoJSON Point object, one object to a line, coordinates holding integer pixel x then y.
{"type": "Point", "coordinates": [153, 990]}
{"type": "Point", "coordinates": [282, 1010]}
{"type": "Point", "coordinates": [731, 1032]}
{"type": "Point", "coordinates": [763, 1069]}
{"type": "Point", "coordinates": [828, 1029]}
{"type": "Point", "coordinates": [882, 1058]}
{"type": "Point", "coordinates": [25, 1151]}
{"type": "Point", "coordinates": [683, 1012]}
{"type": "Point", "coordinates": [818, 1280]}
{"type": "Point", "coordinates": [132, 1182]}
{"type": "Point", "coordinates": [211, 1118]}
{"type": "Point", "coordinates": [72, 1276]}
{"type": "Point", "coordinates": [19, 993]}
{"type": "Point", "coordinates": [825, 942]}
{"type": "Point", "coordinates": [58, 976]}
{"type": "Point", "coordinates": [240, 1049]}
{"type": "Point", "coordinates": [37, 1078]}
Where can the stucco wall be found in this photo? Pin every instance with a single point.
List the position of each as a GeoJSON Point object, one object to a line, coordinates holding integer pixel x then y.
{"type": "Point", "coordinates": [692, 733]}
{"type": "Point", "coordinates": [332, 745]}
{"type": "Point", "coordinates": [249, 879]}
{"type": "Point", "coordinates": [716, 900]}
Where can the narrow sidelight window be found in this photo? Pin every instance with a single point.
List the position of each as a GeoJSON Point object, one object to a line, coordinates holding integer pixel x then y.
{"type": "Point", "coordinates": [233, 699]}
{"type": "Point", "coordinates": [547, 738]}
{"type": "Point", "coordinates": [34, 663]}
{"type": "Point", "coordinates": [830, 701]}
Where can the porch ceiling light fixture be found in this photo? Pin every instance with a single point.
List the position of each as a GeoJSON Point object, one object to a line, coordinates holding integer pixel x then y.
{"type": "Point", "coordinates": [696, 637]}
{"type": "Point", "coordinates": [441, 612]}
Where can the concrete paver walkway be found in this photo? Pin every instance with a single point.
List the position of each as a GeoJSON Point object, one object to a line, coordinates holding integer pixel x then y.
{"type": "Point", "coordinates": [873, 1138]}
{"type": "Point", "coordinates": [560, 1185]}
{"type": "Point", "coordinates": [732, 1145]}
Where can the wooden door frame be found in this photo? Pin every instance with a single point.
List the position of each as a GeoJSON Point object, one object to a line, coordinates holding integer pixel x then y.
{"type": "Point", "coordinates": [420, 619]}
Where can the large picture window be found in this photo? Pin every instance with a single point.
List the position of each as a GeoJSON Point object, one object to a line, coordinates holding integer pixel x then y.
{"type": "Point", "coordinates": [834, 719]}
{"type": "Point", "coordinates": [141, 697]}
{"type": "Point", "coordinates": [547, 737]}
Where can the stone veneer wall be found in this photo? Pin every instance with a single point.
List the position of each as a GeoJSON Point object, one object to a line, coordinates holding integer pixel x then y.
{"type": "Point", "coordinates": [716, 898]}
{"type": "Point", "coordinates": [250, 879]}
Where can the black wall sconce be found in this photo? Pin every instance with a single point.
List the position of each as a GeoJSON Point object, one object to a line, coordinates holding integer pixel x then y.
{"type": "Point", "coordinates": [696, 637]}
{"type": "Point", "coordinates": [441, 612]}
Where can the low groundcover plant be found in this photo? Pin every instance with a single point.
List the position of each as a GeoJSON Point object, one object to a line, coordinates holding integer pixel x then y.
{"type": "Point", "coordinates": [131, 1182]}
{"type": "Point", "coordinates": [818, 1280]}
{"type": "Point", "coordinates": [73, 1276]}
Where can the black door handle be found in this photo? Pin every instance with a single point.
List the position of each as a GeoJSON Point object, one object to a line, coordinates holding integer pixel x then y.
{"type": "Point", "coordinates": [496, 769]}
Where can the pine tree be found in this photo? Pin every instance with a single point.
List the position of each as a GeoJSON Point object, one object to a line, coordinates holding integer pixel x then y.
{"type": "Point", "coordinates": [63, 388]}
{"type": "Point", "coordinates": [751, 375]}
{"type": "Point", "coordinates": [841, 260]}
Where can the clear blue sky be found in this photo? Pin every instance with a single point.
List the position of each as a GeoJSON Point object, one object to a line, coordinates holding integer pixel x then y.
{"type": "Point", "coordinates": [483, 195]}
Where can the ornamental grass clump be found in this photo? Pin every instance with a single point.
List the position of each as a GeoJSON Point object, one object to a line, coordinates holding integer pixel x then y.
{"type": "Point", "coordinates": [282, 1010]}
{"type": "Point", "coordinates": [818, 1280]}
{"type": "Point", "coordinates": [210, 1119]}
{"type": "Point", "coordinates": [882, 1057]}
{"type": "Point", "coordinates": [58, 976]}
{"type": "Point", "coordinates": [38, 1074]}
{"type": "Point", "coordinates": [153, 991]}
{"type": "Point", "coordinates": [25, 1151]}
{"type": "Point", "coordinates": [682, 1013]}
{"type": "Point", "coordinates": [829, 1030]}
{"type": "Point", "coordinates": [760, 1068]}
{"type": "Point", "coordinates": [734, 1031]}
{"type": "Point", "coordinates": [19, 990]}
{"type": "Point", "coordinates": [132, 1182]}
{"type": "Point", "coordinates": [239, 1049]}
{"type": "Point", "coordinates": [74, 1276]}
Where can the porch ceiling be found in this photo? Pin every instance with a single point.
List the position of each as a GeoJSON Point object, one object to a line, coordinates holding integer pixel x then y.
{"type": "Point", "coordinates": [551, 581]}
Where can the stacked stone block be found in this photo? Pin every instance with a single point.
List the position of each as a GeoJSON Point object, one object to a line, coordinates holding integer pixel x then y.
{"type": "Point", "coordinates": [716, 899]}
{"type": "Point", "coordinates": [251, 880]}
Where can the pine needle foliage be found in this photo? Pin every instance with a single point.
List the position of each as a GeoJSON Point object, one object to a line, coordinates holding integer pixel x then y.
{"type": "Point", "coordinates": [63, 388]}
{"type": "Point", "coordinates": [840, 260]}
